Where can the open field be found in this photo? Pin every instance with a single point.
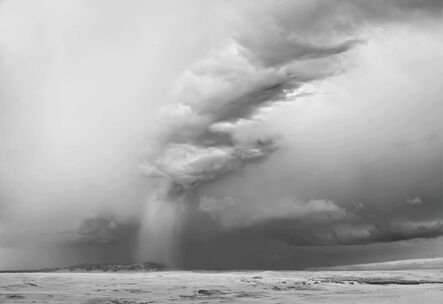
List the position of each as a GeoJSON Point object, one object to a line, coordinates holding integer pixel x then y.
{"type": "Point", "coordinates": [224, 287]}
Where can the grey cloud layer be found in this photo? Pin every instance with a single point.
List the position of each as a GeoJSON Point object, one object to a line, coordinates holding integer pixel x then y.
{"type": "Point", "coordinates": [330, 232]}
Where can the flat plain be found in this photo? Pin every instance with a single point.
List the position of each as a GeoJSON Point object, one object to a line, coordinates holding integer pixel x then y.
{"type": "Point", "coordinates": [412, 286]}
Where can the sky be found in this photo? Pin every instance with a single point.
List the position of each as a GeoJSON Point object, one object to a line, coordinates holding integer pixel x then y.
{"type": "Point", "coordinates": [220, 134]}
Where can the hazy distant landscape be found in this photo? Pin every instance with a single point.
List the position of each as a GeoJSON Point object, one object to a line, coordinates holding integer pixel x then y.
{"type": "Point", "coordinates": [411, 264]}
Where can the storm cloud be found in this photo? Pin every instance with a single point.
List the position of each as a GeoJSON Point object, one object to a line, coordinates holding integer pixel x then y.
{"type": "Point", "coordinates": [161, 128]}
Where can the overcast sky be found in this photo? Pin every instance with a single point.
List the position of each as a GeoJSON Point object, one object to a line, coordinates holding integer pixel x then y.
{"type": "Point", "coordinates": [220, 134]}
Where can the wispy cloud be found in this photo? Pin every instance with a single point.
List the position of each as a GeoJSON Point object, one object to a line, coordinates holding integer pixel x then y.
{"type": "Point", "coordinates": [414, 201]}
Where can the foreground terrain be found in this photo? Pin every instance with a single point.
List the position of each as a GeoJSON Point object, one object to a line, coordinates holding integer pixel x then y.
{"type": "Point", "coordinates": [411, 286]}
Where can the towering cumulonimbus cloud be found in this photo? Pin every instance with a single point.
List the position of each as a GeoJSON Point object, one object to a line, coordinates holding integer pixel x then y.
{"type": "Point", "coordinates": [215, 99]}
{"type": "Point", "coordinates": [206, 128]}
{"type": "Point", "coordinates": [204, 140]}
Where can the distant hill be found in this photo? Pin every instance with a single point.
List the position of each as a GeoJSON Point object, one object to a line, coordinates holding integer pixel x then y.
{"type": "Point", "coordinates": [141, 267]}
{"type": "Point", "coordinates": [430, 263]}
{"type": "Point", "coordinates": [104, 267]}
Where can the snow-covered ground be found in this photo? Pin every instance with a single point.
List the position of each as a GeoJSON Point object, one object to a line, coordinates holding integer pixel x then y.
{"type": "Point", "coordinates": [411, 286]}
